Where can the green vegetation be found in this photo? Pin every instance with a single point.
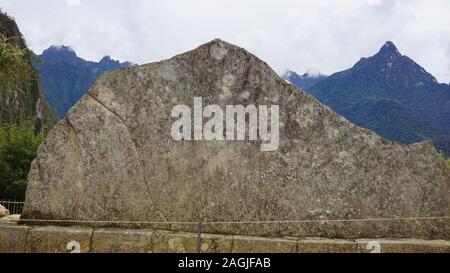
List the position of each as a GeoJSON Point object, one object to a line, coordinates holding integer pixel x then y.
{"type": "Point", "coordinates": [15, 69]}
{"type": "Point", "coordinates": [18, 148]}
{"type": "Point", "coordinates": [445, 159]}
{"type": "Point", "coordinates": [20, 88]}
{"type": "Point", "coordinates": [24, 113]}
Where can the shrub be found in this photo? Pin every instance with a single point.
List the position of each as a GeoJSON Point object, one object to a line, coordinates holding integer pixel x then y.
{"type": "Point", "coordinates": [15, 68]}
{"type": "Point", "coordinates": [18, 148]}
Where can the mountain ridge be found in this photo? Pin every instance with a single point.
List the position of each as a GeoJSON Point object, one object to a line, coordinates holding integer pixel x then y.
{"type": "Point", "coordinates": [305, 81]}
{"type": "Point", "coordinates": [66, 77]}
{"type": "Point", "coordinates": [391, 94]}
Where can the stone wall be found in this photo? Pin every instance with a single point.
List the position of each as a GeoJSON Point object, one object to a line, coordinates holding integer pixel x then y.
{"type": "Point", "coordinates": [52, 239]}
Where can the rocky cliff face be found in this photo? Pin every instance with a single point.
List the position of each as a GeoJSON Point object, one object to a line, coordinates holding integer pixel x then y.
{"type": "Point", "coordinates": [113, 158]}
{"type": "Point", "coordinates": [28, 104]}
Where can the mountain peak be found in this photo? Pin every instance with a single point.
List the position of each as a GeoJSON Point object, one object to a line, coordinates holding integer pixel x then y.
{"type": "Point", "coordinates": [389, 44]}
{"type": "Point", "coordinates": [313, 73]}
{"type": "Point", "coordinates": [107, 60]}
{"type": "Point", "coordinates": [389, 49]}
{"type": "Point", "coordinates": [305, 81]}
{"type": "Point", "coordinates": [63, 90]}
{"type": "Point", "coordinates": [59, 52]}
{"type": "Point", "coordinates": [59, 49]}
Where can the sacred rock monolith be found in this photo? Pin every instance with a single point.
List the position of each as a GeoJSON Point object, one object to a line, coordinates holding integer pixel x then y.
{"type": "Point", "coordinates": [114, 159]}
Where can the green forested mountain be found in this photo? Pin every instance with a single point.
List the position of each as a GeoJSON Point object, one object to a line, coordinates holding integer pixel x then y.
{"type": "Point", "coordinates": [24, 113]}
{"type": "Point", "coordinates": [66, 77]}
{"type": "Point", "coordinates": [20, 97]}
{"type": "Point", "coordinates": [392, 95]}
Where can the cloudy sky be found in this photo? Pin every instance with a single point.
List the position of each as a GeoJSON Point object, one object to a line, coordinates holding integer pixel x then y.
{"type": "Point", "coordinates": [325, 35]}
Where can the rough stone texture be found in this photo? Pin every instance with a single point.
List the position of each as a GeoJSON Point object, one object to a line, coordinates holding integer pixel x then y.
{"type": "Point", "coordinates": [406, 246]}
{"type": "Point", "coordinates": [23, 239]}
{"type": "Point", "coordinates": [148, 241]}
{"type": "Point", "coordinates": [169, 242]}
{"type": "Point", "coordinates": [3, 211]}
{"type": "Point", "coordinates": [243, 244]}
{"type": "Point", "coordinates": [55, 239]}
{"type": "Point", "coordinates": [216, 243]}
{"type": "Point", "coordinates": [12, 238]}
{"type": "Point", "coordinates": [327, 246]}
{"type": "Point", "coordinates": [113, 158]}
{"type": "Point", "coordinates": [122, 241]}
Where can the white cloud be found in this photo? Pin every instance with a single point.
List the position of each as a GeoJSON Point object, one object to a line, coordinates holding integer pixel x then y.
{"type": "Point", "coordinates": [329, 35]}
{"type": "Point", "coordinates": [73, 2]}
{"type": "Point", "coordinates": [374, 2]}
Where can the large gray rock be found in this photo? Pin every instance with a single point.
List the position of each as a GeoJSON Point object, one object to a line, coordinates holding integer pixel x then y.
{"type": "Point", "coordinates": [113, 158]}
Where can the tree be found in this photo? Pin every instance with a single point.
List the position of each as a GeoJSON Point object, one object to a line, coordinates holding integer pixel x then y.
{"type": "Point", "coordinates": [15, 69]}
{"type": "Point", "coordinates": [18, 148]}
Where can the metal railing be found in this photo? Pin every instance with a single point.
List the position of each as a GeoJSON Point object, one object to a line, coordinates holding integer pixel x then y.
{"type": "Point", "coordinates": [14, 206]}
